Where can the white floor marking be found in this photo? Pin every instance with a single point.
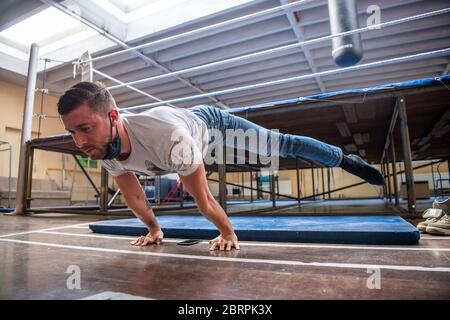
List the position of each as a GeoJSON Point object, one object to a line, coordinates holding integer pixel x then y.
{"type": "Point", "coordinates": [90, 235]}
{"type": "Point", "coordinates": [40, 230]}
{"type": "Point", "coordinates": [109, 295]}
{"type": "Point", "coordinates": [257, 244]}
{"type": "Point", "coordinates": [241, 260]}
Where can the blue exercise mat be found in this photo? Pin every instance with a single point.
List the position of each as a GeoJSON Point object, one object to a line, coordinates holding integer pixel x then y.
{"type": "Point", "coordinates": [388, 230]}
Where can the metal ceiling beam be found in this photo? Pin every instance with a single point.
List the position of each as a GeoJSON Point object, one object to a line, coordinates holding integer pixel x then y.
{"type": "Point", "coordinates": [300, 35]}
{"type": "Point", "coordinates": [379, 79]}
{"type": "Point", "coordinates": [260, 5]}
{"type": "Point", "coordinates": [322, 61]}
{"type": "Point", "coordinates": [433, 65]}
{"type": "Point", "coordinates": [356, 99]}
{"type": "Point", "coordinates": [394, 41]}
{"type": "Point", "coordinates": [276, 96]}
{"type": "Point", "coordinates": [128, 86]}
{"type": "Point", "coordinates": [126, 46]}
{"type": "Point", "coordinates": [189, 61]}
{"type": "Point", "coordinates": [246, 78]}
{"type": "Point", "coordinates": [324, 57]}
{"type": "Point", "coordinates": [211, 75]}
{"type": "Point", "coordinates": [319, 62]}
{"type": "Point", "coordinates": [319, 14]}
{"type": "Point", "coordinates": [264, 29]}
{"type": "Point", "coordinates": [380, 76]}
{"type": "Point", "coordinates": [382, 73]}
{"type": "Point", "coordinates": [200, 30]}
{"type": "Point", "coordinates": [299, 84]}
{"type": "Point", "coordinates": [294, 90]}
{"type": "Point", "coordinates": [228, 79]}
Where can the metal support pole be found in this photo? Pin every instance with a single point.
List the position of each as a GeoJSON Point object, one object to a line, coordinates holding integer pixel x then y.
{"type": "Point", "coordinates": [272, 189]}
{"type": "Point", "coordinates": [26, 129]}
{"type": "Point", "coordinates": [448, 169]}
{"type": "Point", "coordinates": [87, 175]}
{"type": "Point", "coordinates": [388, 176]}
{"type": "Point", "coordinates": [383, 172]}
{"type": "Point", "coordinates": [242, 189]}
{"type": "Point", "coordinates": [298, 181]}
{"type": "Point", "coordinates": [9, 168]}
{"type": "Point", "coordinates": [434, 180]}
{"type": "Point", "coordinates": [407, 156]}
{"type": "Point", "coordinates": [63, 170]}
{"type": "Point", "coordinates": [158, 190]}
{"type": "Point", "coordinates": [329, 182]}
{"type": "Point", "coordinates": [181, 195]}
{"type": "Point", "coordinates": [262, 191]}
{"type": "Point", "coordinates": [222, 186]}
{"type": "Point", "coordinates": [10, 176]}
{"type": "Point", "coordinates": [111, 201]}
{"type": "Point", "coordinates": [384, 175]}
{"type": "Point", "coordinates": [394, 170]}
{"type": "Point", "coordinates": [258, 185]}
{"type": "Point", "coordinates": [251, 185]}
{"type": "Point", "coordinates": [28, 178]}
{"type": "Point", "coordinates": [323, 183]}
{"type": "Point", "coordinates": [277, 180]}
{"type": "Point", "coordinates": [103, 191]}
{"type": "Point", "coordinates": [402, 173]}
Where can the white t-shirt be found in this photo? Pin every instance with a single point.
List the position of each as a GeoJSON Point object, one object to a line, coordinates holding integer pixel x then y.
{"type": "Point", "coordinates": [163, 140]}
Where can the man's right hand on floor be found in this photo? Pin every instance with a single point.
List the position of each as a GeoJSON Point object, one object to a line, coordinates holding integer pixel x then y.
{"type": "Point", "coordinates": [154, 236]}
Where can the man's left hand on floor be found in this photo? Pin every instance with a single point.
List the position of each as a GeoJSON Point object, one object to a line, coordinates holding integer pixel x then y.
{"type": "Point", "coordinates": [224, 242]}
{"type": "Point", "coordinates": [154, 236]}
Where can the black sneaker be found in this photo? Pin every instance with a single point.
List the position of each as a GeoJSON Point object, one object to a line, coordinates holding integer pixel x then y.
{"type": "Point", "coordinates": [360, 168]}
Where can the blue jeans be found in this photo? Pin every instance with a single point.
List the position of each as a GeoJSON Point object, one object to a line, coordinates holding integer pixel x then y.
{"type": "Point", "coordinates": [289, 145]}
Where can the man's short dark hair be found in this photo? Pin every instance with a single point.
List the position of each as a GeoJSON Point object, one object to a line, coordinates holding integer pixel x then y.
{"type": "Point", "coordinates": [93, 94]}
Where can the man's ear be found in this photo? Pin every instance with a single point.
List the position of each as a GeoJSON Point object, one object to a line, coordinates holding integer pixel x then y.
{"type": "Point", "coordinates": [114, 116]}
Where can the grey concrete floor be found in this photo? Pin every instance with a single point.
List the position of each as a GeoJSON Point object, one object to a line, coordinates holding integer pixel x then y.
{"type": "Point", "coordinates": [44, 256]}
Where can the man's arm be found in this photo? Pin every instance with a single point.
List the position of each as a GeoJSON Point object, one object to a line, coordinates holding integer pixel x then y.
{"type": "Point", "coordinates": [197, 185]}
{"type": "Point", "coordinates": [137, 201]}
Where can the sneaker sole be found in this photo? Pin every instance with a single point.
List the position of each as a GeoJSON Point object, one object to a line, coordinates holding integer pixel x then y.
{"type": "Point", "coordinates": [438, 231]}
{"type": "Point", "coordinates": [422, 228]}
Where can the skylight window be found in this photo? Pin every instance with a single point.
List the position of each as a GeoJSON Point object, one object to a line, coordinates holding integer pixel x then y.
{"type": "Point", "coordinates": [40, 27]}
{"type": "Point", "coordinates": [129, 11]}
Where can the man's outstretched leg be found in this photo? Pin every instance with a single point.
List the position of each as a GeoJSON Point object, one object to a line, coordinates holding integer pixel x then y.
{"type": "Point", "coordinates": [309, 148]}
{"type": "Point", "coordinates": [360, 168]}
{"type": "Point", "coordinates": [294, 145]}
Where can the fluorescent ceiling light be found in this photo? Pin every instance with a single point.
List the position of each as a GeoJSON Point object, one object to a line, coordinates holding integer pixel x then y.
{"type": "Point", "coordinates": [343, 129]}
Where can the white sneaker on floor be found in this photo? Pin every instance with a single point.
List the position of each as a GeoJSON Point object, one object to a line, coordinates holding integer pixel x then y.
{"type": "Point", "coordinates": [441, 227]}
{"type": "Point", "coordinates": [434, 214]}
{"type": "Point", "coordinates": [422, 226]}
